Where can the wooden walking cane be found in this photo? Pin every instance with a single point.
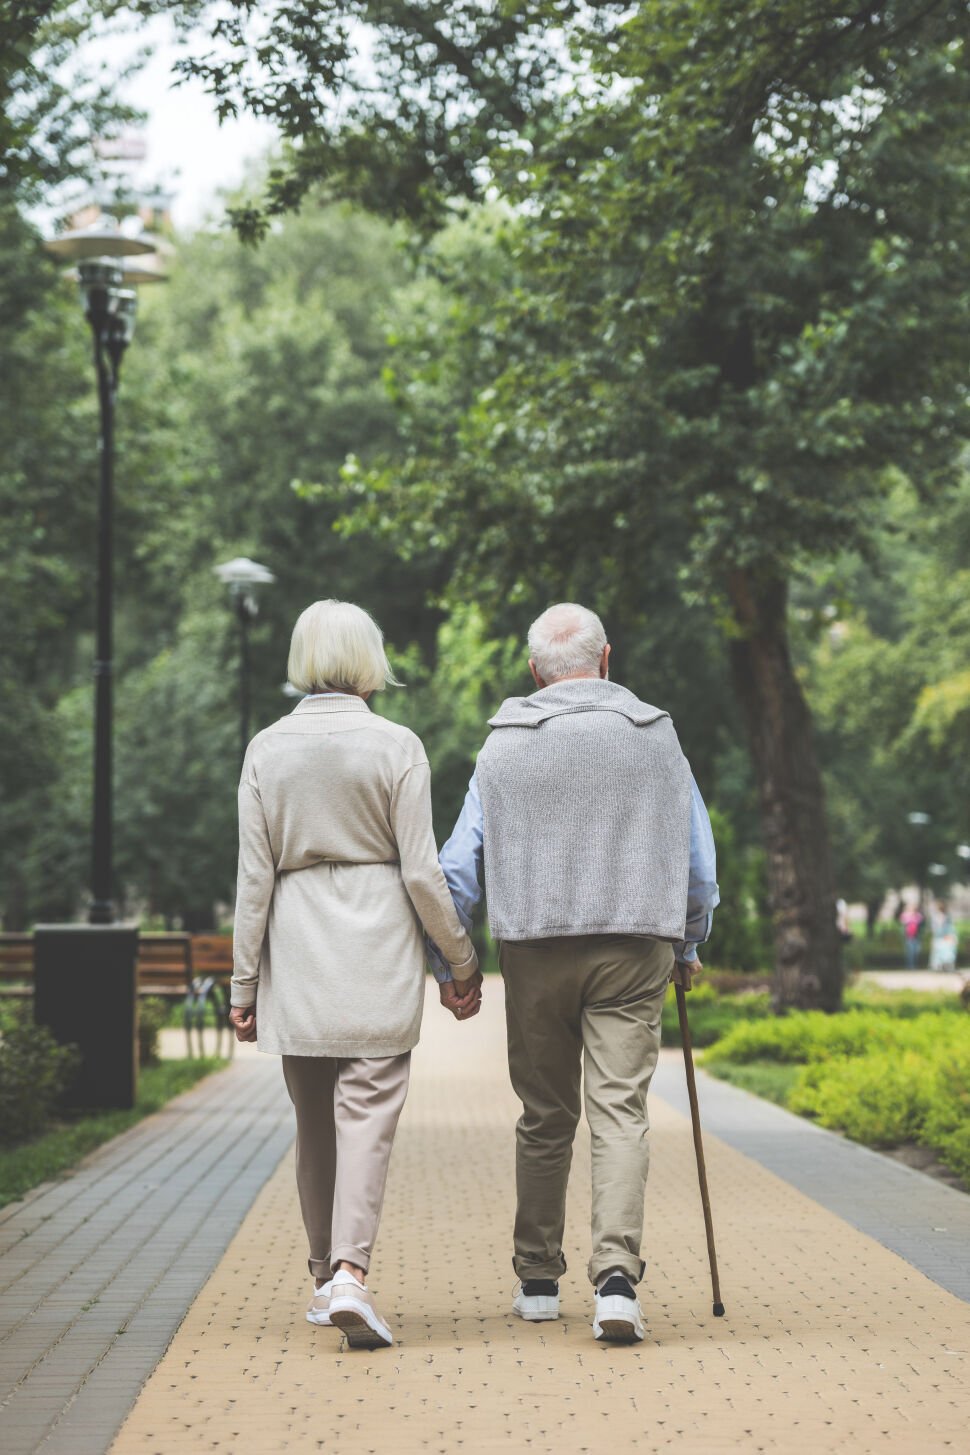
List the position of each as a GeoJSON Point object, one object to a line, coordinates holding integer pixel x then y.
{"type": "Point", "coordinates": [695, 1117]}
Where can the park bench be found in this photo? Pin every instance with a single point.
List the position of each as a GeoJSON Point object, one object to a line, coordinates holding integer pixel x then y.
{"type": "Point", "coordinates": [173, 966]}
{"type": "Point", "coordinates": [16, 965]}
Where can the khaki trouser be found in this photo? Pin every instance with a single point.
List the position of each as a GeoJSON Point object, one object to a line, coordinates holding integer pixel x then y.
{"type": "Point", "coordinates": [593, 1000]}
{"type": "Point", "coordinates": [346, 1116]}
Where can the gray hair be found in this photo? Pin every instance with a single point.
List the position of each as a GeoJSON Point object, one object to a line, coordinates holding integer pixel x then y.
{"type": "Point", "coordinates": [566, 641]}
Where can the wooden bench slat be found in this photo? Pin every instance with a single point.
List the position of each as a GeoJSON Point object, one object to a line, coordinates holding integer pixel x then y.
{"type": "Point", "coordinates": [166, 961]}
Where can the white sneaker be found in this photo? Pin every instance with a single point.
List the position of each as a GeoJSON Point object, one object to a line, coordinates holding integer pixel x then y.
{"type": "Point", "coordinates": [617, 1316]}
{"type": "Point", "coordinates": [537, 1300]}
{"type": "Point", "coordinates": [353, 1312]}
{"type": "Point", "coordinates": [318, 1309]}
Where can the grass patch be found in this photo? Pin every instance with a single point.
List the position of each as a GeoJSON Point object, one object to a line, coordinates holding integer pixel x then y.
{"type": "Point", "coordinates": [769, 1079]}
{"type": "Point", "coordinates": [52, 1153]}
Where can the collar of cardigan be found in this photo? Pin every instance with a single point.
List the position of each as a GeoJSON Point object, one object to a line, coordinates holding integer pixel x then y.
{"type": "Point", "coordinates": [337, 703]}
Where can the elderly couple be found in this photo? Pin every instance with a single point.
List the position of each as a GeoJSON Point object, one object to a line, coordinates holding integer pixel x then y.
{"type": "Point", "coordinates": [598, 865]}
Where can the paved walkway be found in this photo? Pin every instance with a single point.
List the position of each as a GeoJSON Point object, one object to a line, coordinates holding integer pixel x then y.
{"type": "Point", "coordinates": [915, 979]}
{"type": "Point", "coordinates": [97, 1270]}
{"type": "Point", "coordinates": [832, 1341]}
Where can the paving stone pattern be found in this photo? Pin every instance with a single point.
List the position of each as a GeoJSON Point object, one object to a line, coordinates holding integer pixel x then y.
{"type": "Point", "coordinates": [97, 1270]}
{"type": "Point", "coordinates": [831, 1342]}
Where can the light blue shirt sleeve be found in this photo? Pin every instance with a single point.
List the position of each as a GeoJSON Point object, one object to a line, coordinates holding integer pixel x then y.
{"type": "Point", "coordinates": [702, 892]}
{"type": "Point", "coordinates": [461, 862]}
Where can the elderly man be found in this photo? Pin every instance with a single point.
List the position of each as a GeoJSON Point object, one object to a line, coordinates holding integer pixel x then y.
{"type": "Point", "coordinates": [600, 875]}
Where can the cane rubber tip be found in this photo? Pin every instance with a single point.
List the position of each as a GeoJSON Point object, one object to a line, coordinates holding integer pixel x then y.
{"type": "Point", "coordinates": [719, 1310]}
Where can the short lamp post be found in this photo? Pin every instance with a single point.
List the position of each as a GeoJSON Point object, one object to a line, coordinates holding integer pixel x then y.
{"type": "Point", "coordinates": [243, 577]}
{"type": "Point", "coordinates": [84, 976]}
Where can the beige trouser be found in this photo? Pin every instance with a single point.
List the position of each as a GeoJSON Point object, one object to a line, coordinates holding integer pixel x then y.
{"type": "Point", "coordinates": [346, 1116]}
{"type": "Point", "coordinates": [594, 999]}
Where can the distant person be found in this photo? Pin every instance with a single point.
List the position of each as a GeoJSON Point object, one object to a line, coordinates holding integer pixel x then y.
{"type": "Point", "coordinates": [599, 872]}
{"type": "Point", "coordinates": [338, 871]}
{"type": "Point", "coordinates": [943, 943]}
{"type": "Point", "coordinates": [911, 923]}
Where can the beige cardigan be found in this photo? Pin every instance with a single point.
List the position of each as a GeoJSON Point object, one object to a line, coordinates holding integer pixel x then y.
{"type": "Point", "coordinates": [338, 870]}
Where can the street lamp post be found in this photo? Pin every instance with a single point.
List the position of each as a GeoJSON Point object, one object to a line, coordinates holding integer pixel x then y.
{"type": "Point", "coordinates": [100, 252]}
{"type": "Point", "coordinates": [84, 976]}
{"type": "Point", "coordinates": [242, 576]}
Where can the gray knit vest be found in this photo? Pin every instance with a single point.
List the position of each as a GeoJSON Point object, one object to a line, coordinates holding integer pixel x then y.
{"type": "Point", "coordinates": [586, 802]}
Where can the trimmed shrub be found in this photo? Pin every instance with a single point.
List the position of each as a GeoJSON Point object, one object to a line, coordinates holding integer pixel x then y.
{"type": "Point", "coordinates": [810, 1036]}
{"type": "Point", "coordinates": [711, 1014]}
{"type": "Point", "coordinates": [879, 1099]}
{"type": "Point", "coordinates": [153, 1014]}
{"type": "Point", "coordinates": [34, 1071]}
{"type": "Point", "coordinates": [893, 1068]}
{"type": "Point", "coordinates": [947, 1124]}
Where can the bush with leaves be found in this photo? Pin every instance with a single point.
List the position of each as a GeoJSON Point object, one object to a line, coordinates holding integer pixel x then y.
{"type": "Point", "coordinates": [947, 1124]}
{"type": "Point", "coordinates": [879, 1099]}
{"type": "Point", "coordinates": [153, 1014]}
{"type": "Point", "coordinates": [34, 1071]}
{"type": "Point", "coordinates": [813, 1036]}
{"type": "Point", "coordinates": [882, 1075]}
{"type": "Point", "coordinates": [891, 1097]}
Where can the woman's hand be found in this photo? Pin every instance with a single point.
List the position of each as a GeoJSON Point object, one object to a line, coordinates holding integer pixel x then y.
{"type": "Point", "coordinates": [242, 1018]}
{"type": "Point", "coordinates": [462, 998]}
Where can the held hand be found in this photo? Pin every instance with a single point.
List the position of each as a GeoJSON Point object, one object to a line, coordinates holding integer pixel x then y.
{"type": "Point", "coordinates": [242, 1018]}
{"type": "Point", "coordinates": [463, 999]}
{"type": "Point", "coordinates": [684, 971]}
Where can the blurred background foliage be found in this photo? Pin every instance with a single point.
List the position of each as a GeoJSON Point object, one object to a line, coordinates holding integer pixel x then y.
{"type": "Point", "coordinates": [679, 393]}
{"type": "Point", "coordinates": [253, 378]}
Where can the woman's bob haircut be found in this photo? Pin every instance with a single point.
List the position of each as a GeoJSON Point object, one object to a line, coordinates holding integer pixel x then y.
{"type": "Point", "coordinates": [337, 647]}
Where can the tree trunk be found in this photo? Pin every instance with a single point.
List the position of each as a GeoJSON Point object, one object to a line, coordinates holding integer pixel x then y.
{"type": "Point", "coordinates": [873, 906]}
{"type": "Point", "coordinates": [808, 951]}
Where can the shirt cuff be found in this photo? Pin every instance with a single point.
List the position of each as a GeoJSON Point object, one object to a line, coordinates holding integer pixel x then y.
{"type": "Point", "coordinates": [436, 961]}
{"type": "Point", "coordinates": [242, 996]}
{"type": "Point", "coordinates": [685, 952]}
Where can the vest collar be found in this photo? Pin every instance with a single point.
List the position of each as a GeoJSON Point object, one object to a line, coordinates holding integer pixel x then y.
{"type": "Point", "coordinates": [582, 694]}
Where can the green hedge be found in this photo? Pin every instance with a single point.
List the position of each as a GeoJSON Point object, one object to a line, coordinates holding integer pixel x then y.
{"type": "Point", "coordinates": [879, 1076]}
{"type": "Point", "coordinates": [711, 1014]}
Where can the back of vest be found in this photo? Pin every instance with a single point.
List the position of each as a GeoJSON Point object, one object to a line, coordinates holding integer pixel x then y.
{"type": "Point", "coordinates": [586, 827]}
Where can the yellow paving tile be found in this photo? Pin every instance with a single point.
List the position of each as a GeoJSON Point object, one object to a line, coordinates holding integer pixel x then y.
{"type": "Point", "coordinates": [830, 1343]}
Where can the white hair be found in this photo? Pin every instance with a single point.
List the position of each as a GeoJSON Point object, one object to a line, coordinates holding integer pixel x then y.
{"type": "Point", "coordinates": [566, 641]}
{"type": "Point", "coordinates": [337, 646]}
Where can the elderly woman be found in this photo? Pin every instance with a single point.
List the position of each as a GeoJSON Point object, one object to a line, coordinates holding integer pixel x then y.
{"type": "Point", "coordinates": [338, 872]}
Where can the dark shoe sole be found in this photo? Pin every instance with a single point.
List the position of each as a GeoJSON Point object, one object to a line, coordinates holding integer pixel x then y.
{"type": "Point", "coordinates": [617, 1331]}
{"type": "Point", "coordinates": [357, 1331]}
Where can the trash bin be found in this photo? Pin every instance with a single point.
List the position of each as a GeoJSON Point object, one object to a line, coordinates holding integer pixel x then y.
{"type": "Point", "coordinates": [86, 994]}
